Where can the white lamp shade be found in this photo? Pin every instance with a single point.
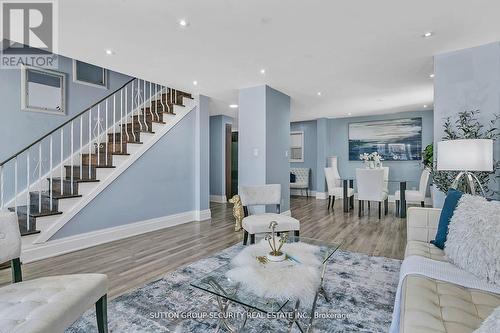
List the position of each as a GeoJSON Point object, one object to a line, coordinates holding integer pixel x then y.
{"type": "Point", "coordinates": [465, 155]}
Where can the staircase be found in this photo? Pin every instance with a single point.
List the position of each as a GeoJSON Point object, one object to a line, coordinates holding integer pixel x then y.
{"type": "Point", "coordinates": [48, 182]}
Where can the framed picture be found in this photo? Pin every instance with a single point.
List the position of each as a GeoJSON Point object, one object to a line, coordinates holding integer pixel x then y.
{"type": "Point", "coordinates": [394, 139]}
{"type": "Point", "coordinates": [43, 90]}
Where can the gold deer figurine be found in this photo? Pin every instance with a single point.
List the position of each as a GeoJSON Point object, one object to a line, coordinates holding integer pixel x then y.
{"type": "Point", "coordinates": [237, 211]}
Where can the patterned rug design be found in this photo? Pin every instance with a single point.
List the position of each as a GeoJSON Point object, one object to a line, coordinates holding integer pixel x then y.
{"type": "Point", "coordinates": [361, 290]}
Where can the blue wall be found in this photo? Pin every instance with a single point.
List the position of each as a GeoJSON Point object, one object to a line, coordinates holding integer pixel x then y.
{"type": "Point", "coordinates": [218, 154]}
{"type": "Point", "coordinates": [310, 149]}
{"type": "Point", "coordinates": [332, 140]}
{"type": "Point", "coordinates": [264, 139]}
{"type": "Point", "coordinates": [19, 128]}
{"type": "Point", "coordinates": [160, 183]}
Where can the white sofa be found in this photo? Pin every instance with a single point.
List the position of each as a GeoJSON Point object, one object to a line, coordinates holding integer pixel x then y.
{"type": "Point", "coordinates": [301, 179]}
{"type": "Point", "coordinates": [429, 305]}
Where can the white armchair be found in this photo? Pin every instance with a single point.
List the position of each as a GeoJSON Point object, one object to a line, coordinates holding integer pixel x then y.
{"type": "Point", "coordinates": [259, 223]}
{"type": "Point", "coordinates": [301, 179]}
{"type": "Point", "coordinates": [48, 304]}
{"type": "Point", "coordinates": [415, 196]}
{"type": "Point", "coordinates": [334, 185]}
{"type": "Point", "coordinates": [371, 187]}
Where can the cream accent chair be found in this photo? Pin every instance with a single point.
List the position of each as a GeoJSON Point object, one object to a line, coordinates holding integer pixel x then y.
{"type": "Point", "coordinates": [334, 184]}
{"type": "Point", "coordinates": [415, 196]}
{"type": "Point", "coordinates": [48, 304]}
{"type": "Point", "coordinates": [301, 179]}
{"type": "Point", "coordinates": [430, 305]}
{"type": "Point", "coordinates": [371, 187]}
{"type": "Point", "coordinates": [262, 195]}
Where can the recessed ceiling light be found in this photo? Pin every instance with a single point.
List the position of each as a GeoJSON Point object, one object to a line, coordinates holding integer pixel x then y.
{"type": "Point", "coordinates": [195, 83]}
{"type": "Point", "coordinates": [425, 105]}
{"type": "Point", "coordinates": [262, 71]}
{"type": "Point", "coordinates": [183, 23]}
{"type": "Point", "coordinates": [109, 52]}
{"type": "Point", "coordinates": [233, 106]}
{"type": "Point", "coordinates": [428, 34]}
{"type": "Point", "coordinates": [349, 114]}
{"type": "Point", "coordinates": [318, 93]}
{"type": "Point", "coordinates": [431, 75]}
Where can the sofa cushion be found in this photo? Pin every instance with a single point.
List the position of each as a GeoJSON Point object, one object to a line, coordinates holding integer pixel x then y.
{"type": "Point", "coordinates": [49, 304]}
{"type": "Point", "coordinates": [429, 306]}
{"type": "Point", "coordinates": [451, 201]}
{"type": "Point", "coordinates": [473, 242]}
{"type": "Point", "coordinates": [426, 250]}
{"type": "Point", "coordinates": [259, 223]}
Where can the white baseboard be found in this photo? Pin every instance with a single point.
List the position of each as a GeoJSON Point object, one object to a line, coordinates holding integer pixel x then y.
{"type": "Point", "coordinates": [57, 247]}
{"type": "Point", "coordinates": [321, 195]}
{"type": "Point", "coordinates": [287, 213]}
{"type": "Point", "coordinates": [297, 192]}
{"type": "Point", "coordinates": [218, 198]}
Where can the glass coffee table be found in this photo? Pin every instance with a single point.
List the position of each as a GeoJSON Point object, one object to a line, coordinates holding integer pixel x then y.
{"type": "Point", "coordinates": [229, 293]}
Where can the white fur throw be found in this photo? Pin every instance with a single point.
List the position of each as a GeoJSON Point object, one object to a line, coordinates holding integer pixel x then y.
{"type": "Point", "coordinates": [491, 324]}
{"type": "Point", "coordinates": [473, 241]}
{"type": "Point", "coordinates": [279, 280]}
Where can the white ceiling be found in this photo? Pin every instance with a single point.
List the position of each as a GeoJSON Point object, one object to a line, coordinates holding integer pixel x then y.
{"type": "Point", "coordinates": [365, 57]}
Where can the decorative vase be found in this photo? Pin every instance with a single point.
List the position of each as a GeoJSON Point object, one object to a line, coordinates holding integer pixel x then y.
{"type": "Point", "coordinates": [371, 165]}
{"type": "Point", "coordinates": [274, 258]}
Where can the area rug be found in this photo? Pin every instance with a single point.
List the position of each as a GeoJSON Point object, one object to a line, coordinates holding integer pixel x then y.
{"type": "Point", "coordinates": [361, 289]}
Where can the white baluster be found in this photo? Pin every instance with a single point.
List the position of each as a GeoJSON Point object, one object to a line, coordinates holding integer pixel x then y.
{"type": "Point", "coordinates": [28, 203]}
{"type": "Point", "coordinates": [98, 134]}
{"type": "Point", "coordinates": [15, 184]}
{"type": "Point", "coordinates": [144, 103]}
{"type": "Point", "coordinates": [106, 133]}
{"type": "Point", "coordinates": [114, 122]}
{"type": "Point", "coordinates": [62, 159]}
{"type": "Point", "coordinates": [90, 144]}
{"type": "Point", "coordinates": [1, 187]}
{"type": "Point", "coordinates": [40, 177]}
{"type": "Point", "coordinates": [72, 164]}
{"type": "Point", "coordinates": [81, 147]}
{"type": "Point", "coordinates": [50, 173]}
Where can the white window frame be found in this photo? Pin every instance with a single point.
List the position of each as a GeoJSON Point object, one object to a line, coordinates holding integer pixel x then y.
{"type": "Point", "coordinates": [301, 146]}
{"type": "Point", "coordinates": [24, 91]}
{"type": "Point", "coordinates": [105, 74]}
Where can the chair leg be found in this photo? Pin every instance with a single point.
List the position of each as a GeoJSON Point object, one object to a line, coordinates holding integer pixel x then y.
{"type": "Point", "coordinates": [17, 275]}
{"type": "Point", "coordinates": [307, 192]}
{"type": "Point", "coordinates": [397, 207]}
{"type": "Point", "coordinates": [368, 205]}
{"type": "Point", "coordinates": [101, 310]}
{"type": "Point", "coordinates": [252, 239]}
{"type": "Point", "coordinates": [296, 233]}
{"type": "Point", "coordinates": [360, 203]}
{"type": "Point", "coordinates": [379, 210]}
{"type": "Point", "coordinates": [245, 237]}
{"type": "Point", "coordinates": [386, 206]}
{"type": "Point", "coordinates": [329, 201]}
{"type": "Point", "coordinates": [422, 204]}
{"type": "Point", "coordinates": [333, 201]}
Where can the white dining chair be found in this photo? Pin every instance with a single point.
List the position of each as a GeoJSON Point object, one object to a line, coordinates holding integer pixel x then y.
{"type": "Point", "coordinates": [371, 187]}
{"type": "Point", "coordinates": [334, 184]}
{"type": "Point", "coordinates": [415, 196]}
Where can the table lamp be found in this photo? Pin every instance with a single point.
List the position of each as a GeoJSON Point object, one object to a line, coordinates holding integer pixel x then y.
{"type": "Point", "coordinates": [466, 155]}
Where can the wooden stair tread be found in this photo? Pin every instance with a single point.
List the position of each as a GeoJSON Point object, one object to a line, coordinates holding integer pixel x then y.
{"type": "Point", "coordinates": [56, 195]}
{"type": "Point", "coordinates": [75, 180]}
{"type": "Point", "coordinates": [23, 210]}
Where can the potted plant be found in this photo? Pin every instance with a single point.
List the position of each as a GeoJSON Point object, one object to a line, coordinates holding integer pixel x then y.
{"type": "Point", "coordinates": [466, 126]}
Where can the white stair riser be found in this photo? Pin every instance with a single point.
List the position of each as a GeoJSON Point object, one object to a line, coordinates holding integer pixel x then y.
{"type": "Point", "coordinates": [43, 223]}
{"type": "Point", "coordinates": [65, 204]}
{"type": "Point", "coordinates": [86, 188]}
{"type": "Point", "coordinates": [102, 173]}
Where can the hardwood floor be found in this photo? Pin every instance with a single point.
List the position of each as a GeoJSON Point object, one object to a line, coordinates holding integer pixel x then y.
{"type": "Point", "coordinates": [130, 263]}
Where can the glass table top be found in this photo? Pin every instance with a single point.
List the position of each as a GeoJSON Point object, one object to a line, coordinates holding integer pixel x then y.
{"type": "Point", "coordinates": [218, 284]}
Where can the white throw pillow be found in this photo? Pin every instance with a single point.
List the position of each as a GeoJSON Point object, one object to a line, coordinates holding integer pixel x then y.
{"type": "Point", "coordinates": [491, 324]}
{"type": "Point", "coordinates": [473, 241]}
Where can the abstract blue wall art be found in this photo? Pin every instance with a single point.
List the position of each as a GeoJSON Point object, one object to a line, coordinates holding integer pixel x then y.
{"type": "Point", "coordinates": [394, 140]}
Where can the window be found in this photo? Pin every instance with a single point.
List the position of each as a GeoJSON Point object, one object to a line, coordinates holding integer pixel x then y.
{"type": "Point", "coordinates": [43, 90]}
{"type": "Point", "coordinates": [89, 74]}
{"type": "Point", "coordinates": [296, 146]}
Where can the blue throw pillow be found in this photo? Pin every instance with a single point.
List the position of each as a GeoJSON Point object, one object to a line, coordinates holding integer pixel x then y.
{"type": "Point", "coordinates": [450, 203]}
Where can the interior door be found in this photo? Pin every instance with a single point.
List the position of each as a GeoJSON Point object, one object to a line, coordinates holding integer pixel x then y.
{"type": "Point", "coordinates": [228, 162]}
